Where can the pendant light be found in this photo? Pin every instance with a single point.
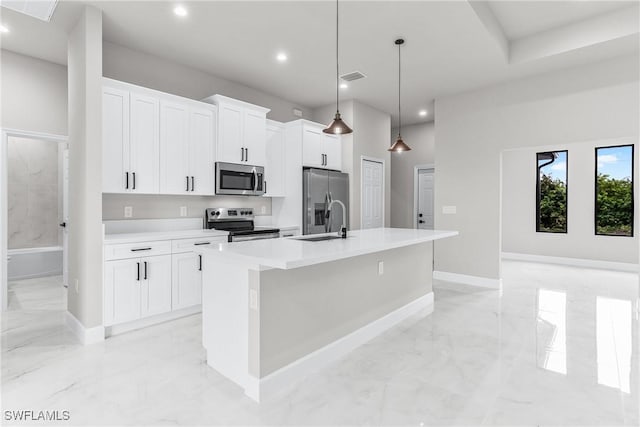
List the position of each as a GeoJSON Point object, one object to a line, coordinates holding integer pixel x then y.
{"type": "Point", "coordinates": [399, 146]}
{"type": "Point", "coordinates": [337, 126]}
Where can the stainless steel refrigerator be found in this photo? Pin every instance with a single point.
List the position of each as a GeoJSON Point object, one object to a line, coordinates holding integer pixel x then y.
{"type": "Point", "coordinates": [319, 188]}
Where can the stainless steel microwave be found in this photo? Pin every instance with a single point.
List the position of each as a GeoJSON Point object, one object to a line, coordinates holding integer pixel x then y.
{"type": "Point", "coordinates": [243, 180]}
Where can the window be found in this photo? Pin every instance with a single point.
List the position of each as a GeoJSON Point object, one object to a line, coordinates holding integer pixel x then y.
{"type": "Point", "coordinates": [614, 191]}
{"type": "Point", "coordinates": [551, 192]}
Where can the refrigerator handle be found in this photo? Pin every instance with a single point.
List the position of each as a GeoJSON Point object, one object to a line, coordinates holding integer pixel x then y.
{"type": "Point", "coordinates": [327, 217]}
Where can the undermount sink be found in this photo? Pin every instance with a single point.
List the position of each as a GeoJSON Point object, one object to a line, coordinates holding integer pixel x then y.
{"type": "Point", "coordinates": [318, 239]}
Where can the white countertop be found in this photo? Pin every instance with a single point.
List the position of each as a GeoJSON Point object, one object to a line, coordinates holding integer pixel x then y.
{"type": "Point", "coordinates": [290, 252]}
{"type": "Point", "coordinates": [150, 236]}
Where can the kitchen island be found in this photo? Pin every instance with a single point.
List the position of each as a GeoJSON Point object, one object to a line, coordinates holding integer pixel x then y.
{"type": "Point", "coordinates": [276, 310]}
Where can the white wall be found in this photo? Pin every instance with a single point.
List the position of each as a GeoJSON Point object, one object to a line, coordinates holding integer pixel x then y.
{"type": "Point", "coordinates": [519, 208]}
{"type": "Point", "coordinates": [591, 102]}
{"type": "Point", "coordinates": [421, 139]}
{"type": "Point", "coordinates": [34, 94]}
{"type": "Point", "coordinates": [370, 138]}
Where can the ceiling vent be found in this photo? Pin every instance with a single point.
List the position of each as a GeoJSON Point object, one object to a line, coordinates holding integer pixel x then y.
{"type": "Point", "coordinates": [349, 77]}
{"type": "Point", "coordinates": [41, 9]}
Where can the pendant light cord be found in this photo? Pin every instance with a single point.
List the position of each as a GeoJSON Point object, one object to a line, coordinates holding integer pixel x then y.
{"type": "Point", "coordinates": [399, 91]}
{"type": "Point", "coordinates": [337, 62]}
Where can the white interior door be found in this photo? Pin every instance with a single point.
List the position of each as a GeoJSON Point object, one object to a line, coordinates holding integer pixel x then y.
{"type": "Point", "coordinates": [65, 217]}
{"type": "Point", "coordinates": [372, 194]}
{"type": "Point", "coordinates": [425, 199]}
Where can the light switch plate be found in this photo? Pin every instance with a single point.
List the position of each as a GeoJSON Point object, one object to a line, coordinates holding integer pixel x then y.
{"type": "Point", "coordinates": [253, 299]}
{"type": "Point", "coordinates": [380, 268]}
{"type": "Point", "coordinates": [183, 211]}
{"type": "Point", "coordinates": [449, 210]}
{"type": "Point", "coordinates": [128, 211]}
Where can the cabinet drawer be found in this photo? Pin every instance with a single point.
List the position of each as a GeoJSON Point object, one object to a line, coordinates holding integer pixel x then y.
{"type": "Point", "coordinates": [187, 245]}
{"type": "Point", "coordinates": [136, 250]}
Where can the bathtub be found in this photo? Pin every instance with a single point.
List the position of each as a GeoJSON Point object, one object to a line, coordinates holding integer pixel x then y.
{"type": "Point", "coordinates": [34, 262]}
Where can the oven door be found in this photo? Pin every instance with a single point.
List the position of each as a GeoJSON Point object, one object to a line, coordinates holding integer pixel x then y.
{"type": "Point", "coordinates": [243, 180]}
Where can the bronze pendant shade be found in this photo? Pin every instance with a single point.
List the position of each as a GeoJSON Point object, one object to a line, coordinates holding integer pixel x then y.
{"type": "Point", "coordinates": [399, 146]}
{"type": "Point", "coordinates": [337, 126]}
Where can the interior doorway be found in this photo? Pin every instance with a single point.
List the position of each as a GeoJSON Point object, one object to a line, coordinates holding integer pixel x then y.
{"type": "Point", "coordinates": [424, 179]}
{"type": "Point", "coordinates": [372, 193]}
{"type": "Point", "coordinates": [34, 203]}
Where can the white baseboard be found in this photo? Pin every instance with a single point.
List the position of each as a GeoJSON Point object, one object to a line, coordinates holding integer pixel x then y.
{"type": "Point", "coordinates": [482, 282]}
{"type": "Point", "coordinates": [153, 320]}
{"type": "Point", "coordinates": [284, 378]}
{"type": "Point", "coordinates": [85, 335]}
{"type": "Point", "coordinates": [576, 262]}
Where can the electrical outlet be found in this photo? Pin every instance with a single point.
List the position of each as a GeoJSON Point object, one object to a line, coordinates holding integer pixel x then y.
{"type": "Point", "coordinates": [449, 210]}
{"type": "Point", "coordinates": [253, 299]}
{"type": "Point", "coordinates": [380, 268]}
{"type": "Point", "coordinates": [297, 112]}
{"type": "Point", "coordinates": [263, 210]}
{"type": "Point", "coordinates": [76, 285]}
{"type": "Point", "coordinates": [183, 211]}
{"type": "Point", "coordinates": [128, 211]}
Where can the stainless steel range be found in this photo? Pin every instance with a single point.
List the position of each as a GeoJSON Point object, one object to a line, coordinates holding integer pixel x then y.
{"type": "Point", "coordinates": [239, 223]}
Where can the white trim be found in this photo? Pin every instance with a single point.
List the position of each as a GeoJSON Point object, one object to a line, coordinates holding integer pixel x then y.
{"type": "Point", "coordinates": [482, 282]}
{"type": "Point", "coordinates": [85, 335]}
{"type": "Point", "coordinates": [576, 262]}
{"type": "Point", "coordinates": [285, 378]}
{"type": "Point", "coordinates": [384, 182]}
{"type": "Point", "coordinates": [149, 321]}
{"type": "Point", "coordinates": [416, 171]}
{"type": "Point", "coordinates": [4, 140]}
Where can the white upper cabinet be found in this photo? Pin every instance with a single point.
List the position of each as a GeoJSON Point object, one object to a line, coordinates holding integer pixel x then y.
{"type": "Point", "coordinates": [115, 139]}
{"type": "Point", "coordinates": [241, 131]}
{"type": "Point", "coordinates": [155, 142]}
{"type": "Point", "coordinates": [187, 143]}
{"type": "Point", "coordinates": [319, 150]}
{"type": "Point", "coordinates": [275, 160]}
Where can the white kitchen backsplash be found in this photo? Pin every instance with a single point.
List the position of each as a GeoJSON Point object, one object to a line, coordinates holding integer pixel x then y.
{"type": "Point", "coordinates": [150, 225]}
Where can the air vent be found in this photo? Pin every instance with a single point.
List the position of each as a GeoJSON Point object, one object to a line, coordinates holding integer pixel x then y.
{"type": "Point", "coordinates": [349, 77]}
{"type": "Point", "coordinates": [41, 9]}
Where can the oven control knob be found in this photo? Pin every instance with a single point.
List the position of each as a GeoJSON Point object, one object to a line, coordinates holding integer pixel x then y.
{"type": "Point", "coordinates": [217, 213]}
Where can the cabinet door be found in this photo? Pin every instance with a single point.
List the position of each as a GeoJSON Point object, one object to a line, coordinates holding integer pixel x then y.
{"type": "Point", "coordinates": [187, 280]}
{"type": "Point", "coordinates": [230, 142]}
{"type": "Point", "coordinates": [333, 151]}
{"type": "Point", "coordinates": [201, 150]}
{"type": "Point", "coordinates": [115, 140]}
{"type": "Point", "coordinates": [156, 285]}
{"type": "Point", "coordinates": [274, 167]}
{"type": "Point", "coordinates": [122, 285]}
{"type": "Point", "coordinates": [312, 154]}
{"type": "Point", "coordinates": [255, 124]}
{"type": "Point", "coordinates": [145, 144]}
{"type": "Point", "coordinates": [174, 148]}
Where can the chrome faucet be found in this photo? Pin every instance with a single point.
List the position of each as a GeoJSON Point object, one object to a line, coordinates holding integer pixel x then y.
{"type": "Point", "coordinates": [343, 228]}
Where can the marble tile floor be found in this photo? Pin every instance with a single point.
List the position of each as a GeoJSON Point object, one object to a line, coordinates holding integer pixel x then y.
{"type": "Point", "coordinates": [560, 346]}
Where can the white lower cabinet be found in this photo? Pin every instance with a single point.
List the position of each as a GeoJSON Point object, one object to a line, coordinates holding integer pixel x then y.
{"type": "Point", "coordinates": [186, 280]}
{"type": "Point", "coordinates": [137, 287]}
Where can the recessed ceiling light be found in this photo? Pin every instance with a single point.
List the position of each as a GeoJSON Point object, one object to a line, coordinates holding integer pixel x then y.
{"type": "Point", "coordinates": [343, 85]}
{"type": "Point", "coordinates": [423, 113]}
{"type": "Point", "coordinates": [281, 57]}
{"type": "Point", "coordinates": [3, 29]}
{"type": "Point", "coordinates": [180, 11]}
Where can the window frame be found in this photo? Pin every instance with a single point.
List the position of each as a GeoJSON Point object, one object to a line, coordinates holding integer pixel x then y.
{"type": "Point", "coordinates": [595, 190]}
{"type": "Point", "coordinates": [538, 230]}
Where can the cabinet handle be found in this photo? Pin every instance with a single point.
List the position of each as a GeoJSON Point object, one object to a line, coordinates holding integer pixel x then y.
{"type": "Point", "coordinates": [134, 180]}
{"type": "Point", "coordinates": [145, 270]}
{"type": "Point", "coordinates": [264, 183]}
{"type": "Point", "coordinates": [140, 249]}
{"type": "Point", "coordinates": [187, 183]}
{"type": "Point", "coordinates": [201, 243]}
{"type": "Point", "coordinates": [242, 154]}
{"type": "Point", "coordinates": [126, 187]}
{"type": "Point", "coordinates": [138, 270]}
{"type": "Point", "coordinates": [200, 262]}
{"type": "Point", "coordinates": [193, 184]}
{"type": "Point", "coordinates": [246, 156]}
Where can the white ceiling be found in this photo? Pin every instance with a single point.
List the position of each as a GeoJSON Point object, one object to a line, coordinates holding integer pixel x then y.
{"type": "Point", "coordinates": [448, 46]}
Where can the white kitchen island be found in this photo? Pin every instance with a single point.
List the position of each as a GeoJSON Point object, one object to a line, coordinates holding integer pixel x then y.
{"type": "Point", "coordinates": [276, 310]}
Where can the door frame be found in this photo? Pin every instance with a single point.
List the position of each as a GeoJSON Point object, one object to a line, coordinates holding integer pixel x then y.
{"type": "Point", "coordinates": [416, 171]}
{"type": "Point", "coordinates": [384, 170]}
{"type": "Point", "coordinates": [4, 176]}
